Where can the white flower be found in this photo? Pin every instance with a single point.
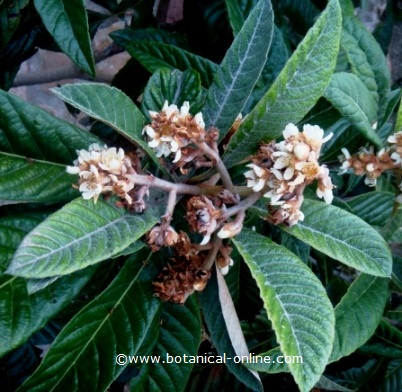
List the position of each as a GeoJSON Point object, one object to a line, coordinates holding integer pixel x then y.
{"type": "Point", "coordinates": [93, 184]}
{"type": "Point", "coordinates": [314, 136]}
{"type": "Point", "coordinates": [257, 177]}
{"type": "Point", "coordinates": [324, 189]}
{"type": "Point", "coordinates": [111, 160]}
{"type": "Point", "coordinates": [73, 169]}
{"type": "Point", "coordinates": [290, 132]}
{"type": "Point", "coordinates": [345, 160]}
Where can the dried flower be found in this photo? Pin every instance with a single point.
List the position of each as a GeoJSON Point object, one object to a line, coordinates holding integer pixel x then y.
{"type": "Point", "coordinates": [183, 275]}
{"type": "Point", "coordinates": [162, 235]}
{"type": "Point", "coordinates": [202, 216]}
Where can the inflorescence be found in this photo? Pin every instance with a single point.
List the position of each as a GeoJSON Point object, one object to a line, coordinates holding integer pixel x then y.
{"type": "Point", "coordinates": [215, 208]}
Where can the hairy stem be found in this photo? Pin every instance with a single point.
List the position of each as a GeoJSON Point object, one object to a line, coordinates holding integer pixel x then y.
{"type": "Point", "coordinates": [243, 205]}
{"type": "Point", "coordinates": [222, 170]}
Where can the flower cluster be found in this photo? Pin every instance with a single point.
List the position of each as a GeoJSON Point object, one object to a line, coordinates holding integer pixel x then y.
{"type": "Point", "coordinates": [172, 129]}
{"type": "Point", "coordinates": [282, 170]}
{"type": "Point", "coordinates": [104, 170]}
{"type": "Point", "coordinates": [177, 131]}
{"type": "Point", "coordinates": [371, 165]}
{"type": "Point", "coordinates": [367, 163]}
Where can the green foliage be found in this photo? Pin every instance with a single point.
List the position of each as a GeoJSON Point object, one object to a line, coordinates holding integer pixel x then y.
{"type": "Point", "coordinates": [276, 270]}
{"type": "Point", "coordinates": [297, 88]}
{"type": "Point", "coordinates": [108, 230]}
{"type": "Point", "coordinates": [154, 55]}
{"type": "Point", "coordinates": [240, 69]}
{"type": "Point", "coordinates": [349, 95]}
{"type": "Point", "coordinates": [358, 314]}
{"type": "Point", "coordinates": [309, 284]}
{"type": "Point", "coordinates": [175, 87]}
{"type": "Point", "coordinates": [344, 237]}
{"type": "Point", "coordinates": [66, 21]}
{"type": "Point", "coordinates": [85, 351]}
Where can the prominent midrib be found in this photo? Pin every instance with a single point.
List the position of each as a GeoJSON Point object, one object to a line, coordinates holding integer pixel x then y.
{"type": "Point", "coordinates": [70, 244]}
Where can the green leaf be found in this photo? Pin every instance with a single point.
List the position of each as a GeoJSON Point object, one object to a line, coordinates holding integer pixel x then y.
{"type": "Point", "coordinates": [78, 235]}
{"type": "Point", "coordinates": [390, 104]}
{"type": "Point", "coordinates": [12, 231]}
{"type": "Point", "coordinates": [393, 376]}
{"type": "Point", "coordinates": [349, 95]}
{"type": "Point", "coordinates": [109, 105]}
{"type": "Point", "coordinates": [238, 12]}
{"type": "Point", "coordinates": [173, 86]}
{"type": "Point", "coordinates": [392, 231]}
{"type": "Point", "coordinates": [212, 312]}
{"type": "Point", "coordinates": [155, 55]}
{"type": "Point", "coordinates": [180, 335]}
{"type": "Point", "coordinates": [10, 19]}
{"type": "Point", "coordinates": [34, 147]}
{"type": "Point", "coordinates": [296, 303]}
{"type": "Point", "coordinates": [344, 237]}
{"type": "Point", "coordinates": [297, 88]}
{"type": "Point", "coordinates": [278, 55]}
{"type": "Point", "coordinates": [329, 385]}
{"type": "Point", "coordinates": [31, 132]}
{"type": "Point", "coordinates": [358, 314]}
{"type": "Point", "coordinates": [365, 55]}
{"type": "Point", "coordinates": [83, 356]}
{"type": "Point", "coordinates": [240, 69]}
{"type": "Point", "coordinates": [373, 207]}
{"type": "Point", "coordinates": [20, 314]}
{"type": "Point", "coordinates": [271, 362]}
{"type": "Point", "coordinates": [27, 180]}
{"type": "Point", "coordinates": [67, 22]}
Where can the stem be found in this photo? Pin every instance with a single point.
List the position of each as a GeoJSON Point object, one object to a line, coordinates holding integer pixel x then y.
{"type": "Point", "coordinates": [167, 186]}
{"type": "Point", "coordinates": [213, 155]}
{"type": "Point", "coordinates": [210, 259]}
{"type": "Point", "coordinates": [243, 205]}
{"type": "Point", "coordinates": [171, 204]}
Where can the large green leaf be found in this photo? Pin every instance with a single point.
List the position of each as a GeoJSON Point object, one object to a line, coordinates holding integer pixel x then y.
{"type": "Point", "coordinates": [344, 237]}
{"type": "Point", "coordinates": [240, 69]}
{"type": "Point", "coordinates": [109, 105]}
{"type": "Point", "coordinates": [34, 149]}
{"type": "Point", "coordinates": [297, 88]}
{"type": "Point", "coordinates": [20, 314]}
{"type": "Point", "coordinates": [358, 314]}
{"type": "Point", "coordinates": [278, 55]}
{"type": "Point", "coordinates": [179, 336]}
{"type": "Point", "coordinates": [296, 303]}
{"type": "Point", "coordinates": [365, 55]}
{"type": "Point", "coordinates": [32, 132]}
{"type": "Point", "coordinates": [27, 180]}
{"type": "Point", "coordinates": [66, 21]}
{"type": "Point", "coordinates": [175, 87]}
{"type": "Point", "coordinates": [212, 312]}
{"type": "Point", "coordinates": [80, 234]}
{"type": "Point", "coordinates": [83, 356]}
{"type": "Point", "coordinates": [154, 55]}
{"type": "Point", "coordinates": [349, 95]}
{"type": "Point", "coordinates": [373, 207]}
